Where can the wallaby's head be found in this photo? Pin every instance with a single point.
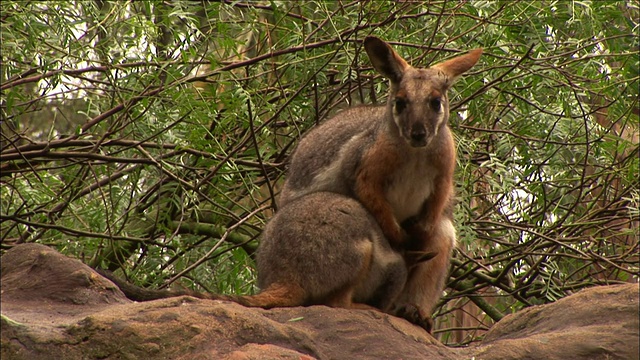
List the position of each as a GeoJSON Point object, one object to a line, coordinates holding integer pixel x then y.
{"type": "Point", "coordinates": [418, 97]}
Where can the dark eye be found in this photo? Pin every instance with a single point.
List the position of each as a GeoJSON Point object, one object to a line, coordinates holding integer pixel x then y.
{"type": "Point", "coordinates": [435, 103]}
{"type": "Point", "coordinates": [400, 104]}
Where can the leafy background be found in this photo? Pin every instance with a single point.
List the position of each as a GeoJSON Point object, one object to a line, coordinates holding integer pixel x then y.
{"type": "Point", "coordinates": [151, 138]}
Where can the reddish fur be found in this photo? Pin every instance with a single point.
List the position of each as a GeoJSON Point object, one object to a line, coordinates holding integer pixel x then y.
{"type": "Point", "coordinates": [276, 295]}
{"type": "Point", "coordinates": [376, 165]}
{"type": "Point", "coordinates": [429, 277]}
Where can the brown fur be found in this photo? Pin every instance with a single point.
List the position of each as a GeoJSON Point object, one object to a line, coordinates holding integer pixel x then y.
{"type": "Point", "coordinates": [398, 161]}
{"type": "Point", "coordinates": [371, 178]}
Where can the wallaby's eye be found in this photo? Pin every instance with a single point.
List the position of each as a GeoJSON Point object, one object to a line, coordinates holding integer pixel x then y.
{"type": "Point", "coordinates": [400, 104]}
{"type": "Point", "coordinates": [435, 103]}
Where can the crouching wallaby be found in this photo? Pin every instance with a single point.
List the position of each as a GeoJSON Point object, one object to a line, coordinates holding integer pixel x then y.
{"type": "Point", "coordinates": [398, 161]}
{"type": "Point", "coordinates": [320, 249]}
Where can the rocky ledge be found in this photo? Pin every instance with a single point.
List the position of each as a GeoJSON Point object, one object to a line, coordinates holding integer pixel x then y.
{"type": "Point", "coordinates": [55, 307]}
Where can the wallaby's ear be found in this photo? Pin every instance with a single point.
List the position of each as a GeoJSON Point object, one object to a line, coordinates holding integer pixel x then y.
{"type": "Point", "coordinates": [384, 59]}
{"type": "Point", "coordinates": [458, 65]}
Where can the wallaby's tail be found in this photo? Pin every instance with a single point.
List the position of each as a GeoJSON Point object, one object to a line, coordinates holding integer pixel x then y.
{"type": "Point", "coordinates": [137, 293]}
{"type": "Point", "coordinates": [275, 295]}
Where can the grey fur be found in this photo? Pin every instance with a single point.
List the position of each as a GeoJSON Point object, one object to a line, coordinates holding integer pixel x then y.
{"type": "Point", "coordinates": [338, 142]}
{"type": "Point", "coordinates": [325, 243]}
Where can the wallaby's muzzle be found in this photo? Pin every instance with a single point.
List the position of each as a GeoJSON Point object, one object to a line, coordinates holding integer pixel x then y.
{"type": "Point", "coordinates": [418, 136]}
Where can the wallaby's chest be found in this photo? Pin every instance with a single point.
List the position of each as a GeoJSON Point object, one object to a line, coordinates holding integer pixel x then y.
{"type": "Point", "coordinates": [409, 186]}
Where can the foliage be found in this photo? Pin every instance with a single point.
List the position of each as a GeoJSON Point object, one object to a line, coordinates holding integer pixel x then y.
{"type": "Point", "coordinates": [151, 137]}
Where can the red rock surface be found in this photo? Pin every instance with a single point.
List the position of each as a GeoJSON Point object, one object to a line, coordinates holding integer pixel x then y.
{"type": "Point", "coordinates": [54, 307]}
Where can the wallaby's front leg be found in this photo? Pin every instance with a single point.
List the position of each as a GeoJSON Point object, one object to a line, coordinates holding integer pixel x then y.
{"type": "Point", "coordinates": [427, 279]}
{"type": "Point", "coordinates": [380, 160]}
{"type": "Point", "coordinates": [422, 229]}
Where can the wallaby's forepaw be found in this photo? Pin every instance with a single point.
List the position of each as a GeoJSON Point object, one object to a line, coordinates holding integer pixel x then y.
{"type": "Point", "coordinates": [416, 235]}
{"type": "Point", "coordinates": [422, 256]}
{"type": "Point", "coordinates": [410, 222]}
{"type": "Point", "coordinates": [414, 258]}
{"type": "Point", "coordinates": [412, 314]}
{"type": "Point", "coordinates": [396, 236]}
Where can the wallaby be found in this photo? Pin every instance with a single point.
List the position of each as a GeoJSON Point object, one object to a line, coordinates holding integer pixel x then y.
{"type": "Point", "coordinates": [398, 161]}
{"type": "Point", "coordinates": [320, 249]}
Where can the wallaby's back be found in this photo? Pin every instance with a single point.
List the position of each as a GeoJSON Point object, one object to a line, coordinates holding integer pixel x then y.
{"type": "Point", "coordinates": [338, 142]}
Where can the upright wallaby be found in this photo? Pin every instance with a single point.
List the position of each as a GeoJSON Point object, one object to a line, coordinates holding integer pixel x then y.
{"type": "Point", "coordinates": [398, 161]}
{"type": "Point", "coordinates": [321, 249]}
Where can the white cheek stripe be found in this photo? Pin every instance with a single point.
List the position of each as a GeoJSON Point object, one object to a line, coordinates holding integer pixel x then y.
{"type": "Point", "coordinates": [396, 120]}
{"type": "Point", "coordinates": [439, 123]}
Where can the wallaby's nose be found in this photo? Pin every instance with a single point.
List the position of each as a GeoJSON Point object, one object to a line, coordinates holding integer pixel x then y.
{"type": "Point", "coordinates": [418, 136]}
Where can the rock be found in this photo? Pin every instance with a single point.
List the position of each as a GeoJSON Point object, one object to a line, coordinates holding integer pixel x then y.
{"type": "Point", "coordinates": [34, 272]}
{"type": "Point", "coordinates": [597, 323]}
{"type": "Point", "coordinates": [54, 307]}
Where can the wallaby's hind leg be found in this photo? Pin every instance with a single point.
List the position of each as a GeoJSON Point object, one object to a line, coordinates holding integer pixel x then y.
{"type": "Point", "coordinates": [393, 281]}
{"type": "Point", "coordinates": [344, 299]}
{"type": "Point", "coordinates": [360, 306]}
{"type": "Point", "coordinates": [344, 296]}
{"type": "Point", "coordinates": [385, 277]}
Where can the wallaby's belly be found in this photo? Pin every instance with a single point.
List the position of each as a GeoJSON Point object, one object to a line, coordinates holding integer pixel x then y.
{"type": "Point", "coordinates": [409, 187]}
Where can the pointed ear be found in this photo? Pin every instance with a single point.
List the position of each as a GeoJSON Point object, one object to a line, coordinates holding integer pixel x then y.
{"type": "Point", "coordinates": [459, 65]}
{"type": "Point", "coordinates": [384, 59]}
